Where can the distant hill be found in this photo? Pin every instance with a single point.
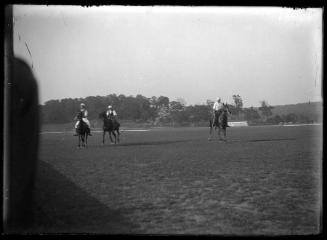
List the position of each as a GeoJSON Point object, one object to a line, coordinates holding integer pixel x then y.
{"type": "Point", "coordinates": [312, 109]}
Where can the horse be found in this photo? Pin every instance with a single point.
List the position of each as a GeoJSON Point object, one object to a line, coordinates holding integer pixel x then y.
{"type": "Point", "coordinates": [111, 126]}
{"type": "Point", "coordinates": [82, 131]}
{"type": "Point", "coordinates": [220, 123]}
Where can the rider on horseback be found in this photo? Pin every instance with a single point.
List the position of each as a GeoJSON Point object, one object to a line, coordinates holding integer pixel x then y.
{"type": "Point", "coordinates": [218, 109]}
{"type": "Point", "coordinates": [111, 113]}
{"type": "Point", "coordinates": [84, 114]}
{"type": "Point", "coordinates": [110, 124]}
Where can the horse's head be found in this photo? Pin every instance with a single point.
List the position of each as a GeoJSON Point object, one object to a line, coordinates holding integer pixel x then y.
{"type": "Point", "coordinates": [226, 108]}
{"type": "Point", "coordinates": [79, 116]}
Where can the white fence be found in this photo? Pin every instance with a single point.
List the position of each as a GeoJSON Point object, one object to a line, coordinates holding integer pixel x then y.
{"type": "Point", "coordinates": [238, 124]}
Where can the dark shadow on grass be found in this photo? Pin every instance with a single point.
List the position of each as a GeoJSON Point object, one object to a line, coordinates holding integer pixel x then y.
{"type": "Point", "coordinates": [62, 207]}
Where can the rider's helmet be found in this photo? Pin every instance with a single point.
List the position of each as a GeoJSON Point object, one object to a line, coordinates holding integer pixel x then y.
{"type": "Point", "coordinates": [218, 99]}
{"type": "Point", "coordinates": [109, 107]}
{"type": "Point", "coordinates": [82, 105]}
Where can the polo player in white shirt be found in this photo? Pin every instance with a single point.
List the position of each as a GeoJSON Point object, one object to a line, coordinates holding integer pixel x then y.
{"type": "Point", "coordinates": [110, 113]}
{"type": "Point", "coordinates": [217, 108]}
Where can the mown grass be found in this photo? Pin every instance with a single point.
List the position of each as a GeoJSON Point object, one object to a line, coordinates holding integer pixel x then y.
{"type": "Point", "coordinates": [262, 181]}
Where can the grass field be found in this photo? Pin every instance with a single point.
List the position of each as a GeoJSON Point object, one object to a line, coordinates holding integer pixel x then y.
{"type": "Point", "coordinates": [262, 181]}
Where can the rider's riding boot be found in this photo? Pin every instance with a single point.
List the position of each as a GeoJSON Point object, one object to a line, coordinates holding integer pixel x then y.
{"type": "Point", "coordinates": [89, 132]}
{"type": "Point", "coordinates": [76, 133]}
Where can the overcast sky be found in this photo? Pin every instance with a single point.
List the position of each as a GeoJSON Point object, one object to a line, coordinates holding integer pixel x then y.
{"type": "Point", "coordinates": [195, 53]}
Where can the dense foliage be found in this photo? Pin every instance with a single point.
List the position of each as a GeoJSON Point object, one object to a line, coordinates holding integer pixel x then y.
{"type": "Point", "coordinates": [162, 111]}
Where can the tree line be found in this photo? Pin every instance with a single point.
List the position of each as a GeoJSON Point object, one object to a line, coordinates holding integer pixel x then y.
{"type": "Point", "coordinates": [159, 110]}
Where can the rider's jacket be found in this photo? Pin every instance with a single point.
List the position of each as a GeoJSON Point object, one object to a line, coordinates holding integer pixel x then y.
{"type": "Point", "coordinates": [111, 113]}
{"type": "Point", "coordinates": [218, 106]}
{"type": "Point", "coordinates": [84, 113]}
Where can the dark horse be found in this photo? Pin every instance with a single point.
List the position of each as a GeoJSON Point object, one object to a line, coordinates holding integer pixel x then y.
{"type": "Point", "coordinates": [111, 126]}
{"type": "Point", "coordinates": [220, 123]}
{"type": "Point", "coordinates": [82, 131]}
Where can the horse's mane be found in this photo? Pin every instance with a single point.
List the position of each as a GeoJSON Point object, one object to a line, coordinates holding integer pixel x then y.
{"type": "Point", "coordinates": [79, 115]}
{"type": "Point", "coordinates": [226, 108]}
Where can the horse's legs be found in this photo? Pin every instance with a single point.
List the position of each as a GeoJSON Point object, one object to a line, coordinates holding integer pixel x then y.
{"type": "Point", "coordinates": [210, 133]}
{"type": "Point", "coordinates": [110, 137]}
{"type": "Point", "coordinates": [118, 134]}
{"type": "Point", "coordinates": [113, 132]}
{"type": "Point", "coordinates": [83, 140]}
{"type": "Point", "coordinates": [80, 140]}
{"type": "Point", "coordinates": [210, 130]}
{"type": "Point", "coordinates": [86, 140]}
{"type": "Point", "coordinates": [103, 136]}
{"type": "Point", "coordinates": [219, 130]}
